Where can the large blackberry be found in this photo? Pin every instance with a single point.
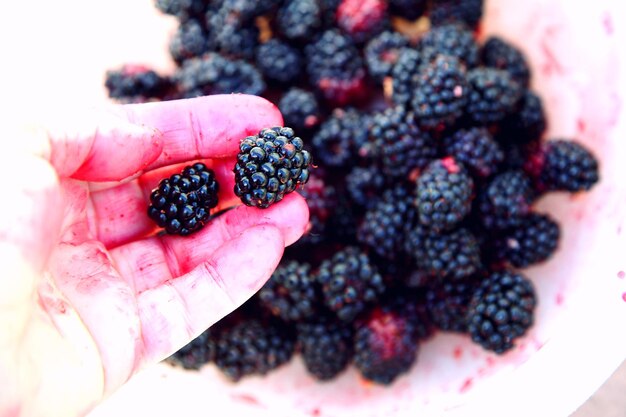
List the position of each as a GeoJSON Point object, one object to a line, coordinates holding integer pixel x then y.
{"type": "Point", "coordinates": [365, 185]}
{"type": "Point", "coordinates": [189, 41]}
{"type": "Point", "coordinates": [525, 125]}
{"type": "Point", "coordinates": [335, 67]}
{"type": "Point", "coordinates": [499, 54]}
{"type": "Point", "coordinates": [135, 83]}
{"type": "Point", "coordinates": [440, 93]}
{"type": "Point", "coordinates": [278, 61]}
{"type": "Point", "coordinates": [254, 347]}
{"type": "Point", "coordinates": [476, 149]}
{"type": "Point", "coordinates": [533, 241]}
{"type": "Point", "coordinates": [322, 201]}
{"type": "Point", "coordinates": [453, 254]}
{"type": "Point", "coordinates": [181, 203]}
{"type": "Point", "coordinates": [299, 20]}
{"type": "Point", "coordinates": [270, 165]}
{"type": "Point", "coordinates": [326, 346]}
{"type": "Point", "coordinates": [362, 19]}
{"type": "Point", "coordinates": [349, 282]}
{"type": "Point", "coordinates": [340, 138]}
{"type": "Point", "coordinates": [505, 200]}
{"type": "Point", "coordinates": [493, 94]}
{"type": "Point", "coordinates": [468, 12]}
{"type": "Point", "coordinates": [444, 194]}
{"type": "Point", "coordinates": [453, 40]}
{"type": "Point", "coordinates": [405, 73]}
{"type": "Point", "coordinates": [398, 143]}
{"type": "Point", "coordinates": [407, 9]}
{"type": "Point", "coordinates": [447, 303]}
{"type": "Point", "coordinates": [196, 353]}
{"type": "Point", "coordinates": [300, 109]}
{"type": "Point", "coordinates": [385, 224]}
{"type": "Point", "coordinates": [382, 53]}
{"type": "Point", "coordinates": [291, 292]}
{"type": "Point", "coordinates": [501, 310]}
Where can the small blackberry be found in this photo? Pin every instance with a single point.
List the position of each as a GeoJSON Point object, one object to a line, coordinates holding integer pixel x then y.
{"type": "Point", "coordinates": [476, 149]}
{"type": "Point", "coordinates": [300, 109]}
{"type": "Point", "coordinates": [563, 165]}
{"type": "Point", "coordinates": [492, 95]}
{"type": "Point", "coordinates": [135, 83]}
{"type": "Point", "coordinates": [501, 310]}
{"type": "Point", "coordinates": [270, 165]}
{"type": "Point", "coordinates": [527, 124]}
{"type": "Point", "coordinates": [349, 283]}
{"type": "Point", "coordinates": [454, 255]}
{"type": "Point", "coordinates": [322, 201]}
{"type": "Point", "coordinates": [398, 143]}
{"type": "Point", "coordinates": [326, 346]}
{"type": "Point", "coordinates": [499, 54]}
{"type": "Point", "coordinates": [196, 353]}
{"type": "Point", "coordinates": [405, 73]}
{"type": "Point", "coordinates": [468, 12]}
{"type": "Point", "coordinates": [365, 185]}
{"type": "Point", "coordinates": [447, 302]}
{"type": "Point", "coordinates": [453, 40]}
{"type": "Point", "coordinates": [362, 19]}
{"type": "Point", "coordinates": [299, 20]}
{"type": "Point", "coordinates": [382, 53]}
{"type": "Point", "coordinates": [533, 241]}
{"type": "Point", "coordinates": [253, 347]}
{"type": "Point", "coordinates": [182, 9]}
{"type": "Point", "coordinates": [230, 37]}
{"type": "Point", "coordinates": [291, 292]}
{"type": "Point", "coordinates": [505, 200]}
{"type": "Point", "coordinates": [182, 203]}
{"type": "Point", "coordinates": [444, 194]}
{"type": "Point", "coordinates": [278, 61]}
{"type": "Point", "coordinates": [385, 224]}
{"type": "Point", "coordinates": [340, 137]}
{"type": "Point", "coordinates": [189, 41]}
{"type": "Point", "coordinates": [408, 9]}
{"type": "Point", "coordinates": [440, 94]}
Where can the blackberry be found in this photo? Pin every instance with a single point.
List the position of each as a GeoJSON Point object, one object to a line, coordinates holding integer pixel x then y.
{"type": "Point", "coordinates": [440, 94]}
{"type": "Point", "coordinates": [300, 109]}
{"type": "Point", "coordinates": [278, 61]}
{"type": "Point", "coordinates": [181, 203]}
{"type": "Point", "coordinates": [527, 124]}
{"type": "Point", "coordinates": [563, 165]}
{"type": "Point", "coordinates": [499, 54]}
{"type": "Point", "coordinates": [340, 137]}
{"type": "Point", "coordinates": [299, 20]}
{"type": "Point", "coordinates": [476, 149]}
{"type": "Point", "coordinates": [505, 200]}
{"type": "Point", "coordinates": [135, 83]}
{"type": "Point", "coordinates": [453, 40]}
{"type": "Point", "coordinates": [405, 73]}
{"type": "Point", "coordinates": [444, 194]}
{"type": "Point", "coordinates": [232, 38]}
{"type": "Point", "coordinates": [408, 9]}
{"type": "Point", "coordinates": [501, 310]}
{"type": "Point", "coordinates": [385, 224]}
{"type": "Point", "coordinates": [533, 241]}
{"type": "Point", "coordinates": [447, 302]}
{"type": "Point", "coordinates": [365, 185]}
{"type": "Point", "coordinates": [321, 199]}
{"type": "Point", "coordinates": [291, 292]}
{"type": "Point", "coordinates": [399, 144]}
{"type": "Point", "coordinates": [253, 347]}
{"type": "Point", "coordinates": [196, 353]}
{"type": "Point", "coordinates": [270, 165]}
{"type": "Point", "coordinates": [326, 346]}
{"type": "Point", "coordinates": [468, 12]}
{"type": "Point", "coordinates": [349, 283]}
{"type": "Point", "coordinates": [214, 74]}
{"type": "Point", "coordinates": [182, 9]}
{"type": "Point", "coordinates": [492, 95]}
{"type": "Point", "coordinates": [189, 41]}
{"type": "Point", "coordinates": [335, 67]}
{"type": "Point", "coordinates": [382, 53]}
{"type": "Point", "coordinates": [454, 255]}
{"type": "Point", "coordinates": [362, 19]}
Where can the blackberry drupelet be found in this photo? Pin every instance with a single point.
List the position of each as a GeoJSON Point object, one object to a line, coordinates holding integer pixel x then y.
{"type": "Point", "coordinates": [181, 204]}
{"type": "Point", "coordinates": [476, 149]}
{"type": "Point", "coordinates": [453, 40]}
{"type": "Point", "coordinates": [527, 124]}
{"type": "Point", "coordinates": [300, 109]}
{"type": "Point", "coordinates": [382, 53]}
{"type": "Point", "coordinates": [362, 19]}
{"type": "Point", "coordinates": [349, 282]}
{"type": "Point", "coordinates": [499, 54]}
{"type": "Point", "coordinates": [253, 347]}
{"type": "Point", "coordinates": [340, 137]}
{"type": "Point", "coordinates": [299, 20]}
{"type": "Point", "coordinates": [278, 61]}
{"type": "Point", "coordinates": [365, 185]}
{"type": "Point", "coordinates": [533, 241]}
{"type": "Point", "coordinates": [447, 302]}
{"type": "Point", "coordinates": [505, 200]}
{"type": "Point", "coordinates": [326, 346]}
{"type": "Point", "coordinates": [468, 12]}
{"type": "Point", "coordinates": [493, 95]}
{"type": "Point", "coordinates": [189, 41]}
{"type": "Point", "coordinates": [407, 9]}
{"type": "Point", "coordinates": [440, 93]}
{"type": "Point", "coordinates": [135, 83]}
{"type": "Point", "coordinates": [444, 194]}
{"type": "Point", "coordinates": [269, 166]}
{"type": "Point", "coordinates": [322, 201]}
{"type": "Point", "coordinates": [398, 143]}
{"type": "Point", "coordinates": [454, 255]}
{"type": "Point", "coordinates": [405, 73]}
{"type": "Point", "coordinates": [385, 224]}
{"type": "Point", "coordinates": [501, 310]}
{"type": "Point", "coordinates": [196, 353]}
{"type": "Point", "coordinates": [291, 293]}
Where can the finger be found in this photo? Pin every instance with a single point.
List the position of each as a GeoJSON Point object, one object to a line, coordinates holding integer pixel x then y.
{"type": "Point", "coordinates": [204, 127]}
{"type": "Point", "coordinates": [151, 262]}
{"type": "Point", "coordinates": [180, 309]}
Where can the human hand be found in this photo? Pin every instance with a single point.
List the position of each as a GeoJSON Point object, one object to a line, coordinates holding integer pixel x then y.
{"type": "Point", "coordinates": [89, 294]}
